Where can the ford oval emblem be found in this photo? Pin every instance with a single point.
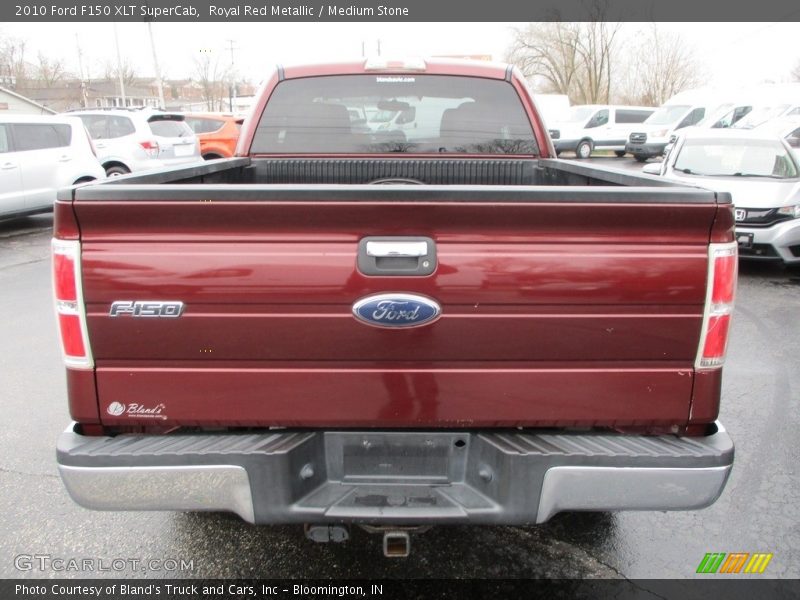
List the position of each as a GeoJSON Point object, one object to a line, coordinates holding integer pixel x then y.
{"type": "Point", "coordinates": [396, 310]}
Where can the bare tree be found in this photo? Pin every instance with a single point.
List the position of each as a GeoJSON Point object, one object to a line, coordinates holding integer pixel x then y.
{"type": "Point", "coordinates": [545, 53]}
{"type": "Point", "coordinates": [49, 71]}
{"type": "Point", "coordinates": [664, 65]}
{"type": "Point", "coordinates": [211, 74]}
{"type": "Point", "coordinates": [568, 58]}
{"type": "Point", "coordinates": [111, 71]}
{"type": "Point", "coordinates": [13, 68]}
{"type": "Point", "coordinates": [796, 71]}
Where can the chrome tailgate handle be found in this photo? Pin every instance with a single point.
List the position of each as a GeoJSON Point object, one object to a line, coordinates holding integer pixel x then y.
{"type": "Point", "coordinates": [397, 248]}
{"type": "Point", "coordinates": [407, 256]}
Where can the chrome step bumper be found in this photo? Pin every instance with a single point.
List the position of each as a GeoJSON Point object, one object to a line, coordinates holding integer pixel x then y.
{"type": "Point", "coordinates": [398, 477]}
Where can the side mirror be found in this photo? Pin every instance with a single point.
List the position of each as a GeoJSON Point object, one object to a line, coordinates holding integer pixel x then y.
{"type": "Point", "coordinates": [652, 169]}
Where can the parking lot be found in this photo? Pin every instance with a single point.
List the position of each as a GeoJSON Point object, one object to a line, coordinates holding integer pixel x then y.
{"type": "Point", "coordinates": [758, 511]}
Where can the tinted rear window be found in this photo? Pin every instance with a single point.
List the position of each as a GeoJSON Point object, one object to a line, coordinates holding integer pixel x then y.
{"type": "Point", "coordinates": [39, 136]}
{"type": "Point", "coordinates": [394, 113]}
{"type": "Point", "coordinates": [173, 129]}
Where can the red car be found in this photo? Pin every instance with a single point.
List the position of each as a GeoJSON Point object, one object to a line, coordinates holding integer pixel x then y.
{"type": "Point", "coordinates": [217, 133]}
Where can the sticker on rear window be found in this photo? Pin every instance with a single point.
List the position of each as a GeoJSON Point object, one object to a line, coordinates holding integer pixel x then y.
{"type": "Point", "coordinates": [395, 79]}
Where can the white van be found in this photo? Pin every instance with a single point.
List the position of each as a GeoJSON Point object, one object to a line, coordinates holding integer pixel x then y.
{"type": "Point", "coordinates": [777, 100]}
{"type": "Point", "coordinates": [39, 155]}
{"type": "Point", "coordinates": [410, 119]}
{"type": "Point", "coordinates": [725, 115]}
{"type": "Point", "coordinates": [682, 110]}
{"type": "Point", "coordinates": [588, 127]}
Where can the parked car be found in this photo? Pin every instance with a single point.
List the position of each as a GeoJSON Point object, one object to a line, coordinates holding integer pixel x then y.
{"type": "Point", "coordinates": [39, 155]}
{"type": "Point", "coordinates": [129, 140]}
{"type": "Point", "coordinates": [721, 117]}
{"type": "Point", "coordinates": [768, 113]}
{"type": "Point", "coordinates": [787, 128]}
{"type": "Point", "coordinates": [590, 126]}
{"type": "Point", "coordinates": [761, 173]}
{"type": "Point", "coordinates": [216, 132]}
{"type": "Point", "coordinates": [776, 100]}
{"type": "Point", "coordinates": [682, 110]}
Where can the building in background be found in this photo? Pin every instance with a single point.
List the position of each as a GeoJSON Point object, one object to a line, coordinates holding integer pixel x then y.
{"type": "Point", "coordinates": [14, 103]}
{"type": "Point", "coordinates": [140, 92]}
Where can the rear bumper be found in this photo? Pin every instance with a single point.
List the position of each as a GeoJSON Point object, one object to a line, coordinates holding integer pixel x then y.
{"type": "Point", "coordinates": [395, 477]}
{"type": "Point", "coordinates": [648, 149]}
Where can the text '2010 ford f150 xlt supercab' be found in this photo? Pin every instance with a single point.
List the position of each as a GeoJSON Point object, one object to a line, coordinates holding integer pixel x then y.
{"type": "Point", "coordinates": [393, 308]}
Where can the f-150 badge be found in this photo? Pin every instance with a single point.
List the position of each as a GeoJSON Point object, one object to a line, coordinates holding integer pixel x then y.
{"type": "Point", "coordinates": [146, 308]}
{"type": "Point", "coordinates": [396, 311]}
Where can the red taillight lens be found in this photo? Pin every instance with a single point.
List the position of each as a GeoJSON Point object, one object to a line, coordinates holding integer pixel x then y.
{"type": "Point", "coordinates": [71, 335]}
{"type": "Point", "coordinates": [724, 278]}
{"type": "Point", "coordinates": [69, 304]}
{"type": "Point", "coordinates": [64, 277]}
{"type": "Point", "coordinates": [150, 147]}
{"type": "Point", "coordinates": [716, 338]}
{"type": "Point", "coordinates": [719, 305]}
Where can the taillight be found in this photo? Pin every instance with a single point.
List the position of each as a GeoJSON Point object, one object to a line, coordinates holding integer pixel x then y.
{"type": "Point", "coordinates": [69, 304]}
{"type": "Point", "coordinates": [150, 147]}
{"type": "Point", "coordinates": [722, 268]}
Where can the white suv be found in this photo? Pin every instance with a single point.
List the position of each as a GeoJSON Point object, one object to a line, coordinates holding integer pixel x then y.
{"type": "Point", "coordinates": [39, 155]}
{"type": "Point", "coordinates": [139, 140]}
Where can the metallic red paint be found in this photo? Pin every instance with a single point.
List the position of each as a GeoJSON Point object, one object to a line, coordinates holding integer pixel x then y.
{"type": "Point", "coordinates": [541, 302]}
{"type": "Point", "coordinates": [554, 313]}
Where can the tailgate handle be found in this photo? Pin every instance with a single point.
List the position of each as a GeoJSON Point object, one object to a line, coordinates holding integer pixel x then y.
{"type": "Point", "coordinates": [408, 256]}
{"type": "Point", "coordinates": [397, 248]}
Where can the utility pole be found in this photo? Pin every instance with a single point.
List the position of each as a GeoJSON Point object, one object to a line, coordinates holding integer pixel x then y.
{"type": "Point", "coordinates": [232, 95]}
{"type": "Point", "coordinates": [80, 68]}
{"type": "Point", "coordinates": [119, 66]}
{"type": "Point", "coordinates": [159, 83]}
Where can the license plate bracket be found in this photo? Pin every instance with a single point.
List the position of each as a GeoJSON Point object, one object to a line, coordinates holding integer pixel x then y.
{"type": "Point", "coordinates": [744, 240]}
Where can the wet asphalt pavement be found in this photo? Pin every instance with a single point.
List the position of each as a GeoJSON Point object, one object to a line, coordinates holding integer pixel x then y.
{"type": "Point", "coordinates": [758, 512]}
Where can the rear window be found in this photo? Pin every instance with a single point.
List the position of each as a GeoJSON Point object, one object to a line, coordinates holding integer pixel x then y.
{"type": "Point", "coordinates": [40, 136]}
{"type": "Point", "coordinates": [204, 125]}
{"type": "Point", "coordinates": [104, 127]}
{"type": "Point", "coordinates": [169, 128]}
{"type": "Point", "coordinates": [394, 113]}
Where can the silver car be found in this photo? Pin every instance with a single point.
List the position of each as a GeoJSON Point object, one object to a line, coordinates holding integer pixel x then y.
{"type": "Point", "coordinates": [129, 140]}
{"type": "Point", "coordinates": [761, 173]}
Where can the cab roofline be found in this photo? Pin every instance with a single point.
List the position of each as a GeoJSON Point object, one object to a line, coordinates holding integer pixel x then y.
{"type": "Point", "coordinates": [433, 66]}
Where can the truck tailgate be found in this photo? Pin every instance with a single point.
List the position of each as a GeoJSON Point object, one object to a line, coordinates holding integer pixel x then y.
{"type": "Point", "coordinates": [560, 305]}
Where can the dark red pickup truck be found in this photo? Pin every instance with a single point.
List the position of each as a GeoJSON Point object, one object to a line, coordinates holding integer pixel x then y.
{"type": "Point", "coordinates": [394, 308]}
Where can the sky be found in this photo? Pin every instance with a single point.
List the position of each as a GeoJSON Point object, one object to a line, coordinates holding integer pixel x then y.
{"type": "Point", "coordinates": [728, 53]}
